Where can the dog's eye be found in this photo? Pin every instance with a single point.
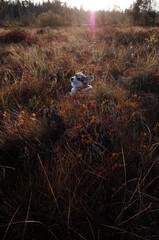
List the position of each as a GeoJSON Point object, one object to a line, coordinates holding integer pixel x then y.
{"type": "Point", "coordinates": [78, 78]}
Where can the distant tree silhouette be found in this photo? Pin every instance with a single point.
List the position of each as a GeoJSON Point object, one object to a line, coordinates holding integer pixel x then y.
{"type": "Point", "coordinates": [57, 13]}
{"type": "Point", "coordinates": [143, 13]}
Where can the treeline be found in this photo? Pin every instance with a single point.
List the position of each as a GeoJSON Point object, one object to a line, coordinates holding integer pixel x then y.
{"type": "Point", "coordinates": [56, 13]}
{"type": "Point", "coordinates": [27, 13]}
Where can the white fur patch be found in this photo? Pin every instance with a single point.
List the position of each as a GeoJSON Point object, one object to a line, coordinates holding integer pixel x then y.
{"type": "Point", "coordinates": [80, 82]}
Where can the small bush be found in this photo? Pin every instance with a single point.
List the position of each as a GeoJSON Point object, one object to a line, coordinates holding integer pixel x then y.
{"type": "Point", "coordinates": [41, 31]}
{"type": "Point", "coordinates": [131, 37]}
{"type": "Point", "coordinates": [143, 81]}
{"type": "Point", "coordinates": [49, 19]}
{"type": "Point", "coordinates": [17, 36]}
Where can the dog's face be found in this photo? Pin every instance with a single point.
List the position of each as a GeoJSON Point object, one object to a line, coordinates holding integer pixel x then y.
{"type": "Point", "coordinates": [80, 79]}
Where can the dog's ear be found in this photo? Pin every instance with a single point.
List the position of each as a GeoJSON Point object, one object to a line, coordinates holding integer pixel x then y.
{"type": "Point", "coordinates": [84, 72]}
{"type": "Point", "coordinates": [83, 79]}
{"type": "Point", "coordinates": [80, 76]}
{"type": "Point", "coordinates": [89, 79]}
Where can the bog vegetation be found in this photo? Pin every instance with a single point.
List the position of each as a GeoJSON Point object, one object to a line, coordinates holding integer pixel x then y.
{"type": "Point", "coordinates": [84, 166]}
{"type": "Point", "coordinates": [96, 177]}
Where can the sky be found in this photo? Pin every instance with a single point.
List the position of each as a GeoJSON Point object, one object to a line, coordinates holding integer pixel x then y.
{"type": "Point", "coordinates": [100, 4]}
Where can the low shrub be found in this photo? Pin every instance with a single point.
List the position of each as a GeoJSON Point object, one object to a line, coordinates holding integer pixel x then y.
{"type": "Point", "coordinates": [17, 36]}
{"type": "Point", "coordinates": [126, 38]}
{"type": "Point", "coordinates": [49, 19]}
{"type": "Point", "coordinates": [145, 81]}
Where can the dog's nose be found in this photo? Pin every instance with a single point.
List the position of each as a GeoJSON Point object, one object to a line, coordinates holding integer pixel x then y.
{"type": "Point", "coordinates": [72, 78]}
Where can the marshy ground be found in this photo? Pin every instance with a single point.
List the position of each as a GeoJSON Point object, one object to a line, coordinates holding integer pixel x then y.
{"type": "Point", "coordinates": [98, 176]}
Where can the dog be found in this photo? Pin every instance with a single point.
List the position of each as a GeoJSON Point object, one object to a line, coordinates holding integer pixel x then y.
{"type": "Point", "coordinates": [80, 83]}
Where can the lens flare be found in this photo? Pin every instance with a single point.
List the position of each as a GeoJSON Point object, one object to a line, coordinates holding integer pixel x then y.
{"type": "Point", "coordinates": [92, 20]}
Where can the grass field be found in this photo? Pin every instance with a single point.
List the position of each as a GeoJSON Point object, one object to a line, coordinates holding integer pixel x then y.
{"type": "Point", "coordinates": [96, 174]}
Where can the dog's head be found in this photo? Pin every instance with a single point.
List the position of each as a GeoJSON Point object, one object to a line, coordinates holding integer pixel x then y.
{"type": "Point", "coordinates": [80, 79]}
